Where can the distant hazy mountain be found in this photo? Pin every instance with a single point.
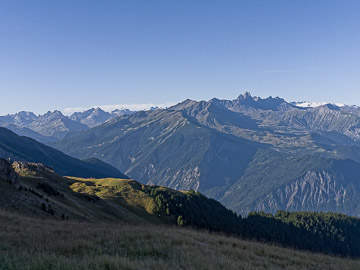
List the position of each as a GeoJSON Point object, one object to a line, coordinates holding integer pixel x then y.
{"type": "Point", "coordinates": [26, 149]}
{"type": "Point", "coordinates": [250, 153]}
{"type": "Point", "coordinates": [118, 112]}
{"type": "Point", "coordinates": [45, 128]}
{"type": "Point", "coordinates": [92, 117]}
{"type": "Point", "coordinates": [95, 117]}
{"type": "Point", "coordinates": [220, 147]}
{"type": "Point", "coordinates": [53, 126]}
{"type": "Point", "coordinates": [20, 118]}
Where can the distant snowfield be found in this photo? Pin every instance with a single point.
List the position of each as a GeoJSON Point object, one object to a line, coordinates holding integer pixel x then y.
{"type": "Point", "coordinates": [306, 104]}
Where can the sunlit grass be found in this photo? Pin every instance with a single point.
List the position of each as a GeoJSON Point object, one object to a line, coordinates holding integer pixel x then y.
{"type": "Point", "coordinates": [114, 188]}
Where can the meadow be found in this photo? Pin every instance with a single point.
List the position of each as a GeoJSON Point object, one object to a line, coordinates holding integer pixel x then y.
{"type": "Point", "coordinates": [30, 243]}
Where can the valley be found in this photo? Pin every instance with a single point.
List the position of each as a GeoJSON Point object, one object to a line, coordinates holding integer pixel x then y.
{"type": "Point", "coordinates": [252, 169]}
{"type": "Point", "coordinates": [216, 146]}
{"type": "Point", "coordinates": [192, 135]}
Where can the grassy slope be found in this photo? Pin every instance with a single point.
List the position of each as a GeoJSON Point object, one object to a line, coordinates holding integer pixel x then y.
{"type": "Point", "coordinates": [111, 199]}
{"type": "Point", "coordinates": [95, 200]}
{"type": "Point", "coordinates": [160, 204]}
{"type": "Point", "coordinates": [104, 201]}
{"type": "Point", "coordinates": [120, 193]}
{"type": "Point", "coordinates": [28, 243]}
{"type": "Point", "coordinates": [124, 190]}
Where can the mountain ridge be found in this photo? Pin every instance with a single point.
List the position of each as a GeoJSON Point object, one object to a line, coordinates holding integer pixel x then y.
{"type": "Point", "coordinates": [209, 146]}
{"type": "Point", "coordinates": [15, 147]}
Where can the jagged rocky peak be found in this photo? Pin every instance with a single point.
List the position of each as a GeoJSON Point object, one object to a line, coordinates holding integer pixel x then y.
{"type": "Point", "coordinates": [21, 167]}
{"type": "Point", "coordinates": [78, 116]}
{"type": "Point", "coordinates": [183, 105]}
{"type": "Point", "coordinates": [29, 116]}
{"type": "Point", "coordinates": [246, 95]}
{"type": "Point", "coordinates": [26, 114]}
{"type": "Point", "coordinates": [118, 112]}
{"type": "Point", "coordinates": [98, 110]}
{"type": "Point", "coordinates": [21, 118]}
{"type": "Point", "coordinates": [54, 114]}
{"type": "Point", "coordinates": [7, 173]}
{"type": "Point", "coordinates": [246, 100]}
{"type": "Point", "coordinates": [91, 117]}
{"type": "Point", "coordinates": [94, 112]}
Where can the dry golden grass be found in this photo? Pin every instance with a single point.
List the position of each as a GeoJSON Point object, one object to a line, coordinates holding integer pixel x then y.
{"type": "Point", "coordinates": [28, 243]}
{"type": "Point", "coordinates": [113, 188]}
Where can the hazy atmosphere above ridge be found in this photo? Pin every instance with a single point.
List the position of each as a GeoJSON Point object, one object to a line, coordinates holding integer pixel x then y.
{"type": "Point", "coordinates": [69, 54]}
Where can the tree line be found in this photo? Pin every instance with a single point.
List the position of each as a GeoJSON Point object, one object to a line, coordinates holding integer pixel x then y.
{"type": "Point", "coordinates": [330, 233]}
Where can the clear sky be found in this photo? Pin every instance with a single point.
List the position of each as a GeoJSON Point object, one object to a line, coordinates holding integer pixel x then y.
{"type": "Point", "coordinates": [60, 54]}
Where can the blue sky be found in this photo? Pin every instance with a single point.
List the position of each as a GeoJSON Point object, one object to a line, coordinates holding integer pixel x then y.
{"type": "Point", "coordinates": [60, 54]}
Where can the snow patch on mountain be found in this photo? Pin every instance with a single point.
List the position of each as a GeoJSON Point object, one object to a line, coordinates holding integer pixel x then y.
{"type": "Point", "coordinates": [307, 104]}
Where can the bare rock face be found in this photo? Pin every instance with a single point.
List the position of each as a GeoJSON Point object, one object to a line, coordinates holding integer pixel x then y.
{"type": "Point", "coordinates": [321, 191]}
{"type": "Point", "coordinates": [20, 166]}
{"type": "Point", "coordinates": [7, 173]}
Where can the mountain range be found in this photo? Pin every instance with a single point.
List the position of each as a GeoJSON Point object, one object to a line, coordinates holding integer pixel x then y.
{"type": "Point", "coordinates": [249, 153]}
{"type": "Point", "coordinates": [53, 126]}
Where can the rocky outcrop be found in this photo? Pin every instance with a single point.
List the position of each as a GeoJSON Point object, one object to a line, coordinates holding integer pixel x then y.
{"type": "Point", "coordinates": [321, 191]}
{"type": "Point", "coordinates": [8, 174]}
{"type": "Point", "coordinates": [20, 166]}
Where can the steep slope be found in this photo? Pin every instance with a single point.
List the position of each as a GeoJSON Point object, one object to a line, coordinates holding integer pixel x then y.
{"type": "Point", "coordinates": [34, 189]}
{"type": "Point", "coordinates": [275, 181]}
{"type": "Point", "coordinates": [167, 148]}
{"type": "Point", "coordinates": [24, 131]}
{"type": "Point", "coordinates": [26, 149]}
{"type": "Point", "coordinates": [104, 167]}
{"type": "Point", "coordinates": [209, 145]}
{"type": "Point", "coordinates": [44, 194]}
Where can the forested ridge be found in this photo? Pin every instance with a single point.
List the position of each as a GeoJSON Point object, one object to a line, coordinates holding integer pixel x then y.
{"type": "Point", "coordinates": [101, 199]}
{"type": "Point", "coordinates": [330, 233]}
